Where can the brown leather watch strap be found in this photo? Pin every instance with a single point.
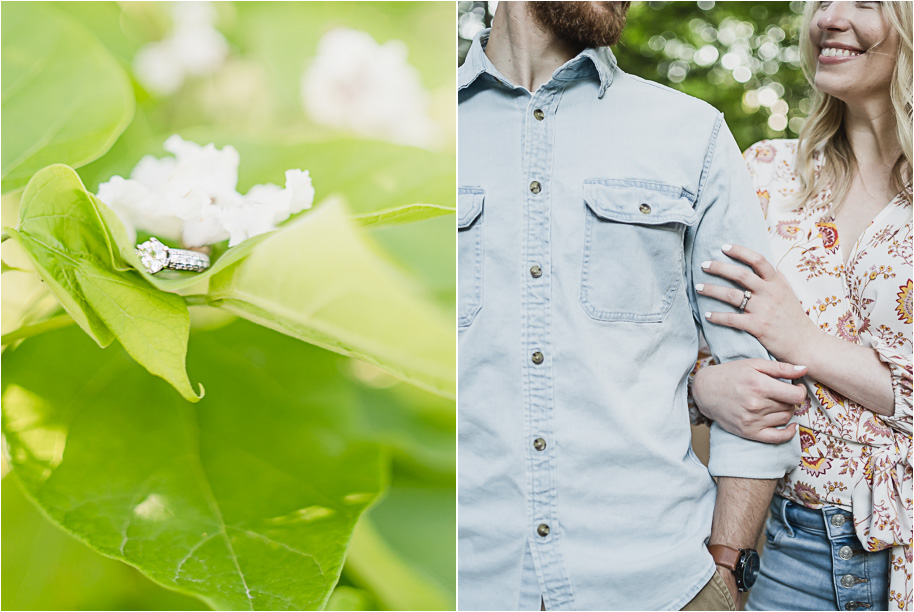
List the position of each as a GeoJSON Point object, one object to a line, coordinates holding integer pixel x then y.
{"type": "Point", "coordinates": [725, 556]}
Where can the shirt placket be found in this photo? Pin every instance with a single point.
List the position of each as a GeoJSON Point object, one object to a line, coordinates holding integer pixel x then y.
{"type": "Point", "coordinates": [541, 448]}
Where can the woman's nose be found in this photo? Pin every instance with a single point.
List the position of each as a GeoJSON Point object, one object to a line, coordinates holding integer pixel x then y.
{"type": "Point", "coordinates": [834, 17]}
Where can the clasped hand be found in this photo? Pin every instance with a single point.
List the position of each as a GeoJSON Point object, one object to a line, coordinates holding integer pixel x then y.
{"type": "Point", "coordinates": [744, 396]}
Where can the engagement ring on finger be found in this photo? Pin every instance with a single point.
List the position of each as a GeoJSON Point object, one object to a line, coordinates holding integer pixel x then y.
{"type": "Point", "coordinates": [746, 297]}
{"type": "Point", "coordinates": [156, 256]}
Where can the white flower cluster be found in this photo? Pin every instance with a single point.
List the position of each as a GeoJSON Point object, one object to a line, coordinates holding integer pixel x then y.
{"type": "Point", "coordinates": [192, 197]}
{"type": "Point", "coordinates": [193, 48]}
{"type": "Point", "coordinates": [357, 85]}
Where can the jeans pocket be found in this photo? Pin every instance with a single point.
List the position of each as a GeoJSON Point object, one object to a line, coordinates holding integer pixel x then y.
{"type": "Point", "coordinates": [469, 254]}
{"type": "Point", "coordinates": [775, 531]}
{"type": "Point", "coordinates": [633, 248]}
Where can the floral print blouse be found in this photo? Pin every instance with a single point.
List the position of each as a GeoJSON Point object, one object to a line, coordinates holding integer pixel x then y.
{"type": "Point", "coordinates": [851, 457]}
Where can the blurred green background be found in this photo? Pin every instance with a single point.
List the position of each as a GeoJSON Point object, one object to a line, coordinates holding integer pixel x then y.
{"type": "Point", "coordinates": [253, 101]}
{"type": "Point", "coordinates": [741, 57]}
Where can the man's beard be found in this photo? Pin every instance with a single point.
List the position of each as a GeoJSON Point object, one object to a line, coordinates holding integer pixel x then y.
{"type": "Point", "coordinates": [589, 24]}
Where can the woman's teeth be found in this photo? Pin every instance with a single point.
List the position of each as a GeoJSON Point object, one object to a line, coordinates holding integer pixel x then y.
{"type": "Point", "coordinates": [833, 52]}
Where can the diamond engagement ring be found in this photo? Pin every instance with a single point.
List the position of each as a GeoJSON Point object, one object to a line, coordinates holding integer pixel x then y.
{"type": "Point", "coordinates": [156, 256]}
{"type": "Point", "coordinates": [746, 297]}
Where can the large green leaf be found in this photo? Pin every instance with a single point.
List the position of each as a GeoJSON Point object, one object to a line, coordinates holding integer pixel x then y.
{"type": "Point", "coordinates": [247, 500]}
{"type": "Point", "coordinates": [320, 280]}
{"type": "Point", "coordinates": [46, 569]}
{"type": "Point", "coordinates": [65, 98]}
{"type": "Point", "coordinates": [70, 238]}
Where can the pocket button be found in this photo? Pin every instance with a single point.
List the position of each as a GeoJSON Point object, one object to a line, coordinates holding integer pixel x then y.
{"type": "Point", "coordinates": [644, 208]}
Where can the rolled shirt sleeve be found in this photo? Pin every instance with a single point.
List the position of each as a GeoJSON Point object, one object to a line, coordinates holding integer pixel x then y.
{"type": "Point", "coordinates": [729, 214]}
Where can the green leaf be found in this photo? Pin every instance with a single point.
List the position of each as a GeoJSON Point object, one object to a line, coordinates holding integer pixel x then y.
{"type": "Point", "coordinates": [65, 98]}
{"type": "Point", "coordinates": [67, 234]}
{"type": "Point", "coordinates": [404, 551]}
{"type": "Point", "coordinates": [321, 280]}
{"type": "Point", "coordinates": [247, 500]}
{"type": "Point", "coordinates": [402, 214]}
{"type": "Point", "coordinates": [46, 569]}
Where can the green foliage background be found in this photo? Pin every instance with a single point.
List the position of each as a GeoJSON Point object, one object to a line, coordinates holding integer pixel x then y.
{"type": "Point", "coordinates": [740, 57]}
{"type": "Point", "coordinates": [292, 441]}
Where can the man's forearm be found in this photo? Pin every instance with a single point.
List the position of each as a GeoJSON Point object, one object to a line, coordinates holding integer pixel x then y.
{"type": "Point", "coordinates": [742, 504]}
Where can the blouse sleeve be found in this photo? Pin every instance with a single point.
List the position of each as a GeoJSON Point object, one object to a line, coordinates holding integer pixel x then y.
{"type": "Point", "coordinates": [900, 367]}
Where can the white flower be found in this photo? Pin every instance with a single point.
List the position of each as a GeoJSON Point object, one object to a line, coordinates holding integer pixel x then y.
{"type": "Point", "coordinates": [357, 85]}
{"type": "Point", "coordinates": [193, 198]}
{"type": "Point", "coordinates": [193, 48]}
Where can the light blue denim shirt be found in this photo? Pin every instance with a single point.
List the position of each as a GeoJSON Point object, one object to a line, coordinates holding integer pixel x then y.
{"type": "Point", "coordinates": [585, 210]}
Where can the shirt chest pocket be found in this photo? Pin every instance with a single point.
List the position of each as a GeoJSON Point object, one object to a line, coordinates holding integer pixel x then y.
{"type": "Point", "coordinates": [469, 253]}
{"type": "Point", "coordinates": [633, 248]}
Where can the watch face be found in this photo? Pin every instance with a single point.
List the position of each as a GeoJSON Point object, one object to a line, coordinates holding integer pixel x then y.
{"type": "Point", "coordinates": [750, 568]}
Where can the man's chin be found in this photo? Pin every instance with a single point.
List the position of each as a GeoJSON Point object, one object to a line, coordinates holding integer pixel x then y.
{"type": "Point", "coordinates": [588, 24]}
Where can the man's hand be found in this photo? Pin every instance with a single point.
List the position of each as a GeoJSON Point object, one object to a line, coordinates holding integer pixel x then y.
{"type": "Point", "coordinates": [730, 581]}
{"type": "Point", "coordinates": [746, 399]}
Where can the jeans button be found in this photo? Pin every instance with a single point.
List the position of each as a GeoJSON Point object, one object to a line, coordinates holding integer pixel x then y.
{"type": "Point", "coordinates": [539, 444]}
{"type": "Point", "coordinates": [851, 605]}
{"type": "Point", "coordinates": [535, 187]}
{"type": "Point", "coordinates": [542, 530]}
{"type": "Point", "coordinates": [846, 552]}
{"type": "Point", "coordinates": [838, 520]}
{"type": "Point", "coordinates": [536, 271]}
{"type": "Point", "coordinates": [539, 114]}
{"type": "Point", "coordinates": [847, 581]}
{"type": "Point", "coordinates": [537, 358]}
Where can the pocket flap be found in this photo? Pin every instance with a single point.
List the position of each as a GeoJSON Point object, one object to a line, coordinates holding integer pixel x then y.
{"type": "Point", "coordinates": [641, 202]}
{"type": "Point", "coordinates": [469, 205]}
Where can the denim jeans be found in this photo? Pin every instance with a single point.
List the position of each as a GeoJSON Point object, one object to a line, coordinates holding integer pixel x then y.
{"type": "Point", "coordinates": [814, 561]}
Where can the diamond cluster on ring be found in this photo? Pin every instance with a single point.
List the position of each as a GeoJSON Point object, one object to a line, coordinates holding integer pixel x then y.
{"type": "Point", "coordinates": [153, 254]}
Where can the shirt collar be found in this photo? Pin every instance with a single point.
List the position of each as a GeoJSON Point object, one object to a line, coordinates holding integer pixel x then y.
{"type": "Point", "coordinates": [600, 58]}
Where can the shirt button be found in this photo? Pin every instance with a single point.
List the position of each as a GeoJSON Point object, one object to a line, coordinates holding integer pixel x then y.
{"type": "Point", "coordinates": [536, 271]}
{"type": "Point", "coordinates": [543, 530]}
{"type": "Point", "coordinates": [539, 114]}
{"type": "Point", "coordinates": [537, 358]}
{"type": "Point", "coordinates": [535, 187]}
{"type": "Point", "coordinates": [644, 208]}
{"type": "Point", "coordinates": [838, 520]}
{"type": "Point", "coordinates": [848, 581]}
{"type": "Point", "coordinates": [846, 552]}
{"type": "Point", "coordinates": [539, 444]}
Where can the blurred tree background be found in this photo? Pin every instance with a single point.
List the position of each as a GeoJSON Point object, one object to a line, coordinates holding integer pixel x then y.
{"type": "Point", "coordinates": [741, 57]}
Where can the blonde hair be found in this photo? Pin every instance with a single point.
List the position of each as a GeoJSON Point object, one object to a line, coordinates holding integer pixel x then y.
{"type": "Point", "coordinates": [824, 127]}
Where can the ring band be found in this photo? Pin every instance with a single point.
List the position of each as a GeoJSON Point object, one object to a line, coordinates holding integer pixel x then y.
{"type": "Point", "coordinates": [746, 297]}
{"type": "Point", "coordinates": [155, 256]}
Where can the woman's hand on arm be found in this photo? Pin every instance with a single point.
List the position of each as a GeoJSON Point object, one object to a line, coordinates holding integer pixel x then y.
{"type": "Point", "coordinates": [775, 316]}
{"type": "Point", "coordinates": [746, 399]}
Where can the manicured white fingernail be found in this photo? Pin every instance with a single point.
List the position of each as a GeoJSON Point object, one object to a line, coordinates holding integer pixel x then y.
{"type": "Point", "coordinates": [707, 315]}
{"type": "Point", "coordinates": [726, 247]}
{"type": "Point", "coordinates": [799, 367]}
{"type": "Point", "coordinates": [700, 287]}
{"type": "Point", "coordinates": [705, 265]}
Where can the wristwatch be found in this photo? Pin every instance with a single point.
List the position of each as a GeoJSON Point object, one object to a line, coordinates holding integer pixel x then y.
{"type": "Point", "coordinates": [743, 562]}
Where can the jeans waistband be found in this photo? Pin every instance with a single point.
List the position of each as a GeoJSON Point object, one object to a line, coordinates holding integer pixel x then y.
{"type": "Point", "coordinates": [828, 519]}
